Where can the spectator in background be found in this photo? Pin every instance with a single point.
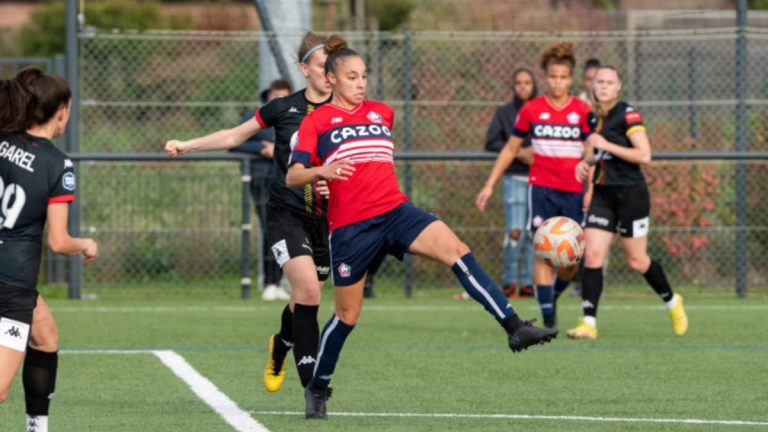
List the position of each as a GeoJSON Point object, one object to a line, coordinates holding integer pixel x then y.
{"type": "Point", "coordinates": [587, 77]}
{"type": "Point", "coordinates": [262, 144]}
{"type": "Point", "coordinates": [518, 246]}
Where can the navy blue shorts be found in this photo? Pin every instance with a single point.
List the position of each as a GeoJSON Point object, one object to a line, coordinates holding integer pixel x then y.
{"type": "Point", "coordinates": [547, 202]}
{"type": "Point", "coordinates": [361, 247]}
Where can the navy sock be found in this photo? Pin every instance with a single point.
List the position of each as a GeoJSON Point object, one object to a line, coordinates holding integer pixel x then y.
{"type": "Point", "coordinates": [39, 378]}
{"type": "Point", "coordinates": [332, 340]}
{"type": "Point", "coordinates": [305, 340]}
{"type": "Point", "coordinates": [546, 298]}
{"type": "Point", "coordinates": [480, 287]}
{"type": "Point", "coordinates": [560, 286]}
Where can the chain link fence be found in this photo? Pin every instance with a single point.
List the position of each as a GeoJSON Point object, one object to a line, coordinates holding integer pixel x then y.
{"type": "Point", "coordinates": [176, 223]}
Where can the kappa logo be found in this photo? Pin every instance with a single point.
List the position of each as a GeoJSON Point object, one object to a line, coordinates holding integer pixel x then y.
{"type": "Point", "coordinates": [573, 118]}
{"type": "Point", "coordinates": [374, 117]}
{"type": "Point", "coordinates": [337, 120]}
{"type": "Point", "coordinates": [14, 332]}
{"type": "Point", "coordinates": [68, 164]}
{"type": "Point", "coordinates": [544, 116]}
{"type": "Point", "coordinates": [344, 270]}
{"type": "Point", "coordinates": [293, 110]}
{"type": "Point", "coordinates": [306, 360]}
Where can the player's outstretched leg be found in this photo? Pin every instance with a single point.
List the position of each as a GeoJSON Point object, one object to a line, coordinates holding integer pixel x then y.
{"type": "Point", "coordinates": [277, 348]}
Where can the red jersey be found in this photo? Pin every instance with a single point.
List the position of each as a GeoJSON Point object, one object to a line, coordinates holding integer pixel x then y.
{"type": "Point", "coordinates": [363, 135]}
{"type": "Point", "coordinates": [557, 136]}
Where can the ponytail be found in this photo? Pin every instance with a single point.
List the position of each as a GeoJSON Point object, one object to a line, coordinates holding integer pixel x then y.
{"type": "Point", "coordinates": [31, 98]}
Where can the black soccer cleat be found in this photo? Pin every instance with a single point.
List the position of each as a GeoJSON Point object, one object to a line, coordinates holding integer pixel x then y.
{"type": "Point", "coordinates": [315, 402]}
{"type": "Point", "coordinates": [526, 335]}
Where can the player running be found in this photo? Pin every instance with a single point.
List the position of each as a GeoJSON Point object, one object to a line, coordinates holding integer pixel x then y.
{"type": "Point", "coordinates": [620, 203]}
{"type": "Point", "coordinates": [557, 125]}
{"type": "Point", "coordinates": [37, 183]}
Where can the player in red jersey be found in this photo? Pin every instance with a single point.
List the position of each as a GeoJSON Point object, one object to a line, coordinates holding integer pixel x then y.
{"type": "Point", "coordinates": [557, 125]}
{"type": "Point", "coordinates": [37, 183]}
{"type": "Point", "coordinates": [349, 143]}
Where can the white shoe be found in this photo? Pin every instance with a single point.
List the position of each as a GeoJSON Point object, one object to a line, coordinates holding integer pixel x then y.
{"type": "Point", "coordinates": [282, 294]}
{"type": "Point", "coordinates": [270, 293]}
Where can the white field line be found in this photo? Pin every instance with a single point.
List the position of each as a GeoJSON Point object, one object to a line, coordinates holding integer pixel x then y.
{"type": "Point", "coordinates": [532, 417]}
{"type": "Point", "coordinates": [210, 394]}
{"type": "Point", "coordinates": [204, 389]}
{"type": "Point", "coordinates": [399, 308]}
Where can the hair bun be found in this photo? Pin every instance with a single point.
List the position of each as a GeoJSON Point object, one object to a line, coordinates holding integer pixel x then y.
{"type": "Point", "coordinates": [335, 43]}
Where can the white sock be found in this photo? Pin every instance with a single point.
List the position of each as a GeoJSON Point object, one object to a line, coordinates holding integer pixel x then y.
{"type": "Point", "coordinates": [590, 320]}
{"type": "Point", "coordinates": [672, 303]}
{"type": "Point", "coordinates": [37, 423]}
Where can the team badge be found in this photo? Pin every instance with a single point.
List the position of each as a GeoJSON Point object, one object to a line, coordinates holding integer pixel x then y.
{"type": "Point", "coordinates": [68, 181]}
{"type": "Point", "coordinates": [544, 116]}
{"type": "Point", "coordinates": [573, 118]}
{"type": "Point", "coordinates": [374, 117]}
{"type": "Point", "coordinates": [344, 270]}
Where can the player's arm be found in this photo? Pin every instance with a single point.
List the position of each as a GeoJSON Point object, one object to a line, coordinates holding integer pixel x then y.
{"type": "Point", "coordinates": [59, 239]}
{"type": "Point", "coordinates": [220, 140]}
{"type": "Point", "coordinates": [299, 175]}
{"type": "Point", "coordinates": [505, 158]}
{"type": "Point", "coordinates": [639, 153]}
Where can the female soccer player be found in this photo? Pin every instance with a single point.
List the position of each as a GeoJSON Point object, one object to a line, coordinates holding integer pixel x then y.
{"type": "Point", "coordinates": [37, 183]}
{"type": "Point", "coordinates": [557, 125]}
{"type": "Point", "coordinates": [620, 203]}
{"type": "Point", "coordinates": [295, 216]}
{"type": "Point", "coordinates": [349, 143]}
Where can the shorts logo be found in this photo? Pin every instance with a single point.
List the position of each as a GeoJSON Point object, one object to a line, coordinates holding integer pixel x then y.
{"type": "Point", "coordinates": [598, 220]}
{"type": "Point", "coordinates": [280, 251]}
{"type": "Point", "coordinates": [14, 334]}
{"type": "Point", "coordinates": [640, 227]}
{"type": "Point", "coordinates": [68, 181]}
{"type": "Point", "coordinates": [573, 118]}
{"type": "Point", "coordinates": [344, 270]}
{"type": "Point", "coordinates": [374, 117]}
{"type": "Point", "coordinates": [323, 270]}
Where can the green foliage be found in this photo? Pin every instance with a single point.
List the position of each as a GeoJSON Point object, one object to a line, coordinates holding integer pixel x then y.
{"type": "Point", "coordinates": [757, 4]}
{"type": "Point", "coordinates": [607, 5]}
{"type": "Point", "coordinates": [390, 13]}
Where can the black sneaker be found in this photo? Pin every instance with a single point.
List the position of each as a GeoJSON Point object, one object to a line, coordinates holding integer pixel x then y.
{"type": "Point", "coordinates": [526, 335]}
{"type": "Point", "coordinates": [315, 399]}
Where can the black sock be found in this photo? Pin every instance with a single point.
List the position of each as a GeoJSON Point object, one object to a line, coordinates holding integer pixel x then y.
{"type": "Point", "coordinates": [658, 281]}
{"type": "Point", "coordinates": [39, 377]}
{"type": "Point", "coordinates": [306, 337]}
{"type": "Point", "coordinates": [284, 340]}
{"type": "Point", "coordinates": [591, 288]}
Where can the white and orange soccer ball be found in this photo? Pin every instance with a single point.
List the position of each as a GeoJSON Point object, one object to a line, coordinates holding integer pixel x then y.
{"type": "Point", "coordinates": [559, 241]}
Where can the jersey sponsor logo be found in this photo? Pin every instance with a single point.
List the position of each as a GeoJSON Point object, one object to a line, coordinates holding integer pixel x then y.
{"type": "Point", "coordinates": [19, 157]}
{"type": "Point", "coordinates": [68, 164]}
{"type": "Point", "coordinates": [345, 271]}
{"type": "Point", "coordinates": [544, 116]}
{"type": "Point", "coordinates": [347, 132]}
{"type": "Point", "coordinates": [12, 200]}
{"type": "Point", "coordinates": [633, 117]}
{"type": "Point", "coordinates": [14, 334]}
{"type": "Point", "coordinates": [374, 117]}
{"type": "Point", "coordinates": [573, 118]}
{"type": "Point", "coordinates": [68, 181]}
{"type": "Point", "coordinates": [556, 131]}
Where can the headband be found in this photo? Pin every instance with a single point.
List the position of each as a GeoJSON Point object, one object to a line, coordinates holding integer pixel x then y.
{"type": "Point", "coordinates": [311, 50]}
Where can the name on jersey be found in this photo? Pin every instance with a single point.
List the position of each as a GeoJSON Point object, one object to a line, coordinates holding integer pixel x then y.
{"type": "Point", "coordinates": [17, 156]}
{"type": "Point", "coordinates": [556, 131]}
{"type": "Point", "coordinates": [347, 132]}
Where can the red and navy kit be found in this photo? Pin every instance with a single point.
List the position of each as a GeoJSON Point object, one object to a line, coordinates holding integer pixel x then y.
{"type": "Point", "coordinates": [33, 174]}
{"type": "Point", "coordinates": [363, 135]}
{"type": "Point", "coordinates": [557, 136]}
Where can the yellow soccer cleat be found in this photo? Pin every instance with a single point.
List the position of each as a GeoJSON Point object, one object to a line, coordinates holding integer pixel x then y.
{"type": "Point", "coordinates": [582, 331]}
{"type": "Point", "coordinates": [679, 318]}
{"type": "Point", "coordinates": [274, 373]}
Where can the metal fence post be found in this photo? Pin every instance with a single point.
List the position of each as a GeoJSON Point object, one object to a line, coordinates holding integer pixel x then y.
{"type": "Point", "coordinates": [692, 126]}
{"type": "Point", "coordinates": [407, 137]}
{"type": "Point", "coordinates": [72, 75]}
{"type": "Point", "coordinates": [245, 255]}
{"type": "Point", "coordinates": [741, 146]}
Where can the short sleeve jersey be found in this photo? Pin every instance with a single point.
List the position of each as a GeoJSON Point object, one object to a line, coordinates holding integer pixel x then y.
{"type": "Point", "coordinates": [616, 127]}
{"type": "Point", "coordinates": [363, 135]}
{"type": "Point", "coordinates": [557, 136]}
{"type": "Point", "coordinates": [33, 174]}
{"type": "Point", "coordinates": [285, 115]}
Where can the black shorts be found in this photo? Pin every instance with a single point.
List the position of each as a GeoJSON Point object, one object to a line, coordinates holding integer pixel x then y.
{"type": "Point", "coordinates": [622, 209]}
{"type": "Point", "coordinates": [291, 235]}
{"type": "Point", "coordinates": [16, 308]}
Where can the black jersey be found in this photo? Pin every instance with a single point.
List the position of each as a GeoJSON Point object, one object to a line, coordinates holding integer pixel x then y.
{"type": "Point", "coordinates": [616, 127]}
{"type": "Point", "coordinates": [285, 115]}
{"type": "Point", "coordinates": [33, 174]}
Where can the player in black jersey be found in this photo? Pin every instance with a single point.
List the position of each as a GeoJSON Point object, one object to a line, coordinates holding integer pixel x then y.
{"type": "Point", "coordinates": [37, 183]}
{"type": "Point", "coordinates": [620, 202]}
{"type": "Point", "coordinates": [296, 220]}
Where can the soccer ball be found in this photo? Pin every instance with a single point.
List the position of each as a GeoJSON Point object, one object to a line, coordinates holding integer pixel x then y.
{"type": "Point", "coordinates": [559, 241]}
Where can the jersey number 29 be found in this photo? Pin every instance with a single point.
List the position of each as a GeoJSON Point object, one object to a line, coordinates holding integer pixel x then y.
{"type": "Point", "coordinates": [10, 212]}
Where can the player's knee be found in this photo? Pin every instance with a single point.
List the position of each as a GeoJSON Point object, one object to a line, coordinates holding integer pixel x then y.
{"type": "Point", "coordinates": [306, 293]}
{"type": "Point", "coordinates": [462, 248]}
{"type": "Point", "coordinates": [639, 265]}
{"type": "Point", "coordinates": [348, 316]}
{"type": "Point", "coordinates": [515, 234]}
{"type": "Point", "coordinates": [593, 259]}
{"type": "Point", "coordinates": [46, 340]}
